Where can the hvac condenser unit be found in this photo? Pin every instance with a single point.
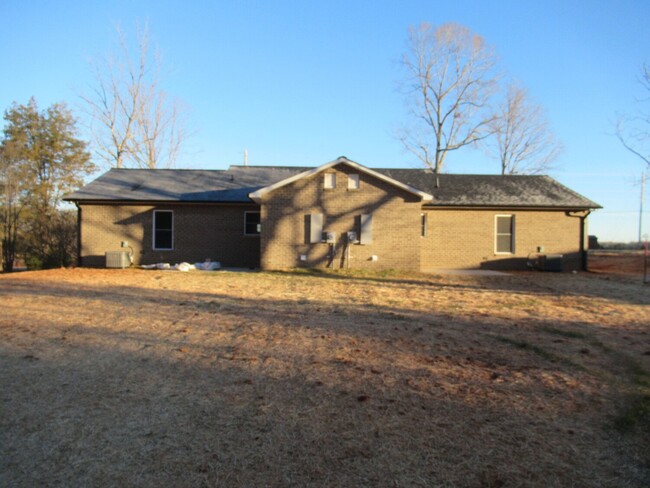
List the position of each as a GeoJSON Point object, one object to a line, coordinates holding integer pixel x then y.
{"type": "Point", "coordinates": [117, 259]}
{"type": "Point", "coordinates": [546, 262]}
{"type": "Point", "coordinates": [552, 262]}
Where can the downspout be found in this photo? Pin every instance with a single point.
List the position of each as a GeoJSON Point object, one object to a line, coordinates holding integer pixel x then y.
{"type": "Point", "coordinates": [583, 251]}
{"type": "Point", "coordinates": [76, 203]}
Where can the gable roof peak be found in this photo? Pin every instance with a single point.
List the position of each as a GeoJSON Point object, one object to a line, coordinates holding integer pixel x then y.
{"type": "Point", "coordinates": [257, 195]}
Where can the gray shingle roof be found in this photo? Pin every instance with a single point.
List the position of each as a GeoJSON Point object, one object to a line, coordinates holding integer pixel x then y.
{"type": "Point", "coordinates": [236, 183]}
{"type": "Point", "coordinates": [491, 190]}
{"type": "Point", "coordinates": [180, 185]}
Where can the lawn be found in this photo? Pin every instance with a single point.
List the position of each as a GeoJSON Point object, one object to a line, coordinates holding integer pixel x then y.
{"type": "Point", "coordinates": [162, 378]}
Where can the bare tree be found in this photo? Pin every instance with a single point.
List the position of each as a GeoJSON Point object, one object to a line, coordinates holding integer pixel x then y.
{"type": "Point", "coordinates": [523, 141]}
{"type": "Point", "coordinates": [634, 131]}
{"type": "Point", "coordinates": [450, 80]}
{"type": "Point", "coordinates": [133, 121]}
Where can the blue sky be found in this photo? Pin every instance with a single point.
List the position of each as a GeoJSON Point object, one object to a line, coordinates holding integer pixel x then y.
{"type": "Point", "coordinates": [303, 82]}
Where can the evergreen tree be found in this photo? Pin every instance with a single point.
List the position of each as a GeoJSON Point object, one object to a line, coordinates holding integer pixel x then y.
{"type": "Point", "coordinates": [42, 159]}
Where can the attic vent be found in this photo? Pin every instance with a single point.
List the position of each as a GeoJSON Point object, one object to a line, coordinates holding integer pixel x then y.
{"type": "Point", "coordinates": [137, 186]}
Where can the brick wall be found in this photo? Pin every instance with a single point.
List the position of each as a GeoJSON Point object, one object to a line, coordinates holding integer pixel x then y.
{"type": "Point", "coordinates": [200, 232]}
{"type": "Point", "coordinates": [465, 238]}
{"type": "Point", "coordinates": [455, 238]}
{"type": "Point", "coordinates": [395, 223]}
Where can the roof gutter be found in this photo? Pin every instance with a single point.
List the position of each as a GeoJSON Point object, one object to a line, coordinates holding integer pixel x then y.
{"type": "Point", "coordinates": [158, 202]}
{"type": "Point", "coordinates": [78, 233]}
{"type": "Point", "coordinates": [431, 206]}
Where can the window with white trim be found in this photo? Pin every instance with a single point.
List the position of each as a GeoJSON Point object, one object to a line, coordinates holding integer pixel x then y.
{"type": "Point", "coordinates": [365, 226]}
{"type": "Point", "coordinates": [353, 181]}
{"type": "Point", "coordinates": [252, 224]}
{"type": "Point", "coordinates": [329, 181]}
{"type": "Point", "coordinates": [504, 234]}
{"type": "Point", "coordinates": [163, 230]}
{"type": "Point", "coordinates": [313, 228]}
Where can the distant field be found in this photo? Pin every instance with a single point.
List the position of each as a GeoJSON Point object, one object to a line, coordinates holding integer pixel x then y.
{"type": "Point", "coordinates": [168, 379]}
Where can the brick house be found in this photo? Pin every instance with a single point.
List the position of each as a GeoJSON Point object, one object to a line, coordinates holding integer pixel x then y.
{"type": "Point", "coordinates": [338, 215]}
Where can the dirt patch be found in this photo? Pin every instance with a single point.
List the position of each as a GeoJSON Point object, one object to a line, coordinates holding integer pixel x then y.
{"type": "Point", "coordinates": [150, 378]}
{"type": "Point", "coordinates": [622, 263]}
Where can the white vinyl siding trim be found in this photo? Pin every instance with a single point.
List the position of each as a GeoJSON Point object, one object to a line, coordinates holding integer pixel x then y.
{"type": "Point", "coordinates": [163, 230]}
{"type": "Point", "coordinates": [504, 234]}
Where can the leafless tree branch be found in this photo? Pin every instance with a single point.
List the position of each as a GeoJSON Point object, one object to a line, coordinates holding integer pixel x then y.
{"type": "Point", "coordinates": [633, 131]}
{"type": "Point", "coordinates": [133, 121]}
{"type": "Point", "coordinates": [523, 142]}
{"type": "Point", "coordinates": [450, 79]}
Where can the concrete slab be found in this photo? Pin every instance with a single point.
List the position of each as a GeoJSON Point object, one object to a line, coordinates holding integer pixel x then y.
{"type": "Point", "coordinates": [239, 270]}
{"type": "Point", "coordinates": [467, 272]}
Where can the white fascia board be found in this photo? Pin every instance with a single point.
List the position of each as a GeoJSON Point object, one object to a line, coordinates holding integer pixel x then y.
{"type": "Point", "coordinates": [256, 196]}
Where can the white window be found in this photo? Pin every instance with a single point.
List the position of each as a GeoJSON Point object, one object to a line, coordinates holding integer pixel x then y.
{"type": "Point", "coordinates": [365, 222]}
{"type": "Point", "coordinates": [314, 228]}
{"type": "Point", "coordinates": [504, 234]}
{"type": "Point", "coordinates": [353, 182]}
{"type": "Point", "coordinates": [163, 230]}
{"type": "Point", "coordinates": [252, 224]}
{"type": "Point", "coordinates": [330, 181]}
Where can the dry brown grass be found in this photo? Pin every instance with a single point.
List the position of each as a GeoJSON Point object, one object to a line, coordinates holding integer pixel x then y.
{"type": "Point", "coordinates": [150, 378]}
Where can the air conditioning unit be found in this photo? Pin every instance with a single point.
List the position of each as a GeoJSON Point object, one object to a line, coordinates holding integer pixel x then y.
{"type": "Point", "coordinates": [329, 237]}
{"type": "Point", "coordinates": [117, 259]}
{"type": "Point", "coordinates": [546, 262]}
{"type": "Point", "coordinates": [553, 262]}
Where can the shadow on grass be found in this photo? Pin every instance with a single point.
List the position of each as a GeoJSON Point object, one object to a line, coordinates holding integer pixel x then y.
{"type": "Point", "coordinates": [378, 397]}
{"type": "Point", "coordinates": [587, 285]}
{"type": "Point", "coordinates": [101, 409]}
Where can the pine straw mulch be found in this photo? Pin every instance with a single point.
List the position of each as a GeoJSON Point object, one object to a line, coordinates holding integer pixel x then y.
{"type": "Point", "coordinates": [159, 378]}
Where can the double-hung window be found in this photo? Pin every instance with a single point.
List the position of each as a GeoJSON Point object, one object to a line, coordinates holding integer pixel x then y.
{"type": "Point", "coordinates": [353, 181]}
{"type": "Point", "coordinates": [252, 225]}
{"type": "Point", "coordinates": [329, 181]}
{"type": "Point", "coordinates": [163, 230]}
{"type": "Point", "coordinates": [504, 234]}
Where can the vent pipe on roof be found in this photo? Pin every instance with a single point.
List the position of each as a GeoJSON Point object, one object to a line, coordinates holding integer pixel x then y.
{"type": "Point", "coordinates": [245, 157]}
{"type": "Point", "coordinates": [437, 182]}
